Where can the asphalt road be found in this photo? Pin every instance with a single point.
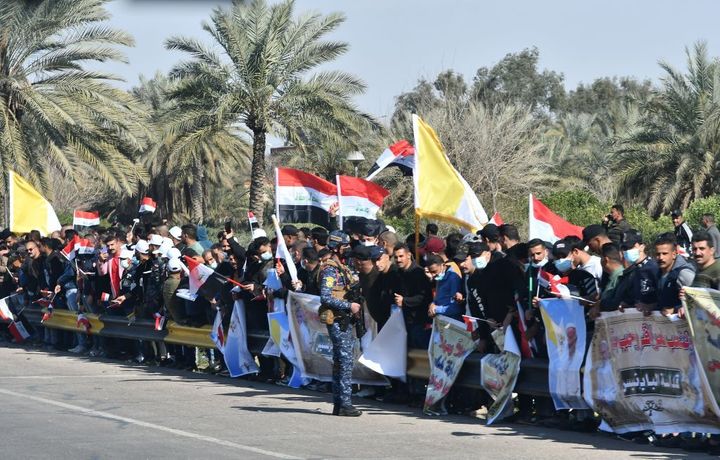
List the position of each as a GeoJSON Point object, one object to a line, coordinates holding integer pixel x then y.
{"type": "Point", "coordinates": [59, 406]}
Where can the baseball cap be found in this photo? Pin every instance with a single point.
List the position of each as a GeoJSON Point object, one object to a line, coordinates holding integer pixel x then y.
{"type": "Point", "coordinates": [174, 265]}
{"type": "Point", "coordinates": [371, 228]}
{"type": "Point", "coordinates": [126, 253]}
{"type": "Point", "coordinates": [142, 247]}
{"type": "Point", "coordinates": [376, 252]}
{"type": "Point", "coordinates": [472, 238]}
{"type": "Point", "coordinates": [155, 240]}
{"type": "Point", "coordinates": [592, 231]}
{"type": "Point", "coordinates": [175, 232]}
{"type": "Point", "coordinates": [173, 253]}
{"type": "Point", "coordinates": [630, 239]}
{"type": "Point", "coordinates": [258, 233]}
{"type": "Point", "coordinates": [676, 213]}
{"type": "Point", "coordinates": [476, 249]}
{"type": "Point", "coordinates": [289, 230]}
{"type": "Point", "coordinates": [362, 252]}
{"type": "Point", "coordinates": [434, 244]}
{"type": "Point", "coordinates": [338, 238]}
{"type": "Point", "coordinates": [560, 249]}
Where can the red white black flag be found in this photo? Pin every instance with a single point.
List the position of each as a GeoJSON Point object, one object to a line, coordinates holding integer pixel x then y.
{"type": "Point", "coordinates": [86, 218]}
{"type": "Point", "coordinates": [203, 279]}
{"type": "Point", "coordinates": [400, 154]}
{"type": "Point", "coordinates": [303, 197]}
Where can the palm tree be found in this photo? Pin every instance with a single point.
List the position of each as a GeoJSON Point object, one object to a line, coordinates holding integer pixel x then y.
{"type": "Point", "coordinates": [55, 113]}
{"type": "Point", "coordinates": [182, 165]}
{"type": "Point", "coordinates": [260, 80]}
{"type": "Point", "coordinates": [671, 158]}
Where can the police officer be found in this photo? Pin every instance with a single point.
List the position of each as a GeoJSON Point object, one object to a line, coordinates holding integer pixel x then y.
{"type": "Point", "coordinates": [335, 280]}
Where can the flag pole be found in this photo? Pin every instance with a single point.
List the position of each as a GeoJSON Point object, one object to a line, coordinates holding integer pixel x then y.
{"type": "Point", "coordinates": [339, 195]}
{"type": "Point", "coordinates": [417, 237]}
{"type": "Point", "coordinates": [277, 186]}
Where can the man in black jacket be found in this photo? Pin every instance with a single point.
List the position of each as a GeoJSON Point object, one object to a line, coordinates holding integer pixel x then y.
{"type": "Point", "coordinates": [413, 294]}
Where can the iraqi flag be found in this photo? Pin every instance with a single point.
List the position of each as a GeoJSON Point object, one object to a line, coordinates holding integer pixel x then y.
{"type": "Point", "coordinates": [203, 279]}
{"type": "Point", "coordinates": [86, 218]}
{"type": "Point", "coordinates": [547, 225]}
{"type": "Point", "coordinates": [400, 154]}
{"type": "Point", "coordinates": [302, 197]}
{"type": "Point", "coordinates": [83, 322]}
{"type": "Point", "coordinates": [359, 197]}
{"type": "Point", "coordinates": [69, 250]}
{"type": "Point", "coordinates": [554, 283]}
{"type": "Point", "coordinates": [5, 313]}
{"type": "Point", "coordinates": [85, 247]}
{"type": "Point", "coordinates": [496, 219]}
{"type": "Point", "coordinates": [217, 334]}
{"type": "Point", "coordinates": [18, 331]}
{"type": "Point", "coordinates": [147, 205]}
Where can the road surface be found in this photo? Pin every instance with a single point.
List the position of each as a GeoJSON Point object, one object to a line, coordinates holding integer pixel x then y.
{"type": "Point", "coordinates": [61, 406]}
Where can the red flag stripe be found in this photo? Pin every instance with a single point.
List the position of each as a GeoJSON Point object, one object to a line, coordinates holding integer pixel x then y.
{"type": "Point", "coordinates": [356, 186]}
{"type": "Point", "coordinates": [287, 177]}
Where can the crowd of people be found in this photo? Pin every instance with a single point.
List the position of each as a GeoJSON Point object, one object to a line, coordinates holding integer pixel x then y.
{"type": "Point", "coordinates": [492, 275]}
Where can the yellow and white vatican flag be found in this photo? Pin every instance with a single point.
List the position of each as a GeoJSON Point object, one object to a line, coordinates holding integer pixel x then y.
{"type": "Point", "coordinates": [28, 209]}
{"type": "Point", "coordinates": [440, 191]}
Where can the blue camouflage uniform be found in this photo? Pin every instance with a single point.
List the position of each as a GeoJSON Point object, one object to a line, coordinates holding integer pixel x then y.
{"type": "Point", "coordinates": [333, 283]}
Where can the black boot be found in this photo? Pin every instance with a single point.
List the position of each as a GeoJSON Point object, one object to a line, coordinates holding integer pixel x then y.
{"type": "Point", "coordinates": [347, 411]}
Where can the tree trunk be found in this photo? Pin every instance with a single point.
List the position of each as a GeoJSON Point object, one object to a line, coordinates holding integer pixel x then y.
{"type": "Point", "coordinates": [196, 192]}
{"type": "Point", "coordinates": [257, 176]}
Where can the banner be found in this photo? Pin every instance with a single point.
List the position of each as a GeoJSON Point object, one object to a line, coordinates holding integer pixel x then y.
{"type": "Point", "coordinates": [238, 359]}
{"type": "Point", "coordinates": [565, 332]}
{"type": "Point", "coordinates": [450, 344]}
{"type": "Point", "coordinates": [312, 343]}
{"type": "Point", "coordinates": [642, 373]}
{"type": "Point", "coordinates": [387, 354]}
{"type": "Point", "coordinates": [703, 317]}
{"type": "Point", "coordinates": [499, 373]}
{"type": "Point", "coordinates": [273, 283]}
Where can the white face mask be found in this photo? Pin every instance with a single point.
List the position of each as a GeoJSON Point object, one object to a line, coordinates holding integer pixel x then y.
{"type": "Point", "coordinates": [213, 265]}
{"type": "Point", "coordinates": [540, 264]}
{"type": "Point", "coordinates": [632, 255]}
{"type": "Point", "coordinates": [125, 263]}
{"type": "Point", "coordinates": [267, 255]}
{"type": "Point", "coordinates": [480, 262]}
{"type": "Point", "coordinates": [368, 243]}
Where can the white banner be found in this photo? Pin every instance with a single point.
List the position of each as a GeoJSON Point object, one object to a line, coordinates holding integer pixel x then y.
{"type": "Point", "coordinates": [387, 354]}
{"type": "Point", "coordinates": [313, 346]}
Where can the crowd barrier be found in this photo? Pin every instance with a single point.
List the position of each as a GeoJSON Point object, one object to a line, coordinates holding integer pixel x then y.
{"type": "Point", "coordinates": [532, 380]}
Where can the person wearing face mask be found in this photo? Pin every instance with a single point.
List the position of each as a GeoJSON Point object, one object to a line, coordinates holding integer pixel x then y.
{"type": "Point", "coordinates": [580, 282]}
{"type": "Point", "coordinates": [309, 272]}
{"type": "Point", "coordinates": [447, 285]}
{"type": "Point", "coordinates": [476, 260]}
{"type": "Point", "coordinates": [337, 313]}
{"type": "Point", "coordinates": [638, 286]}
{"type": "Point", "coordinates": [209, 259]}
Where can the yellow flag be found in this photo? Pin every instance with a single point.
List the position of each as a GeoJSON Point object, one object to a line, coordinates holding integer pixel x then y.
{"type": "Point", "coordinates": [440, 191]}
{"type": "Point", "coordinates": [28, 210]}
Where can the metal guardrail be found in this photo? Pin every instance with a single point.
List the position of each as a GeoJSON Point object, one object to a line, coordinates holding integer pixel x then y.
{"type": "Point", "coordinates": [533, 378]}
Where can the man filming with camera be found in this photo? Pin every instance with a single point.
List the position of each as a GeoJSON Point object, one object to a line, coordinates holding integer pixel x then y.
{"type": "Point", "coordinates": [615, 224]}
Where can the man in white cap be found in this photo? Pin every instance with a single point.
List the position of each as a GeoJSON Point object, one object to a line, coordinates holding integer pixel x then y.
{"type": "Point", "coordinates": [176, 236]}
{"type": "Point", "coordinates": [175, 306]}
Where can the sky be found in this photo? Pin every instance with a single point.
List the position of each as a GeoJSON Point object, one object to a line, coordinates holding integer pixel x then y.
{"type": "Point", "coordinates": [393, 43]}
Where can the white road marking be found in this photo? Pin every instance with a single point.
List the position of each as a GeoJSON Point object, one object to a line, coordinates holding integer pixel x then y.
{"type": "Point", "coordinates": [94, 376]}
{"type": "Point", "coordinates": [186, 434]}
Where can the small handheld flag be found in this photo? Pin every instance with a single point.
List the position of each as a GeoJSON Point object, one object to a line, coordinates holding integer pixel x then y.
{"type": "Point", "coordinates": [147, 205]}
{"type": "Point", "coordinates": [86, 218]}
{"type": "Point", "coordinates": [83, 322]}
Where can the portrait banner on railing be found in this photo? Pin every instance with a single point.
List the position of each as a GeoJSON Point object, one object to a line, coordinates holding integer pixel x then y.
{"type": "Point", "coordinates": [642, 373]}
